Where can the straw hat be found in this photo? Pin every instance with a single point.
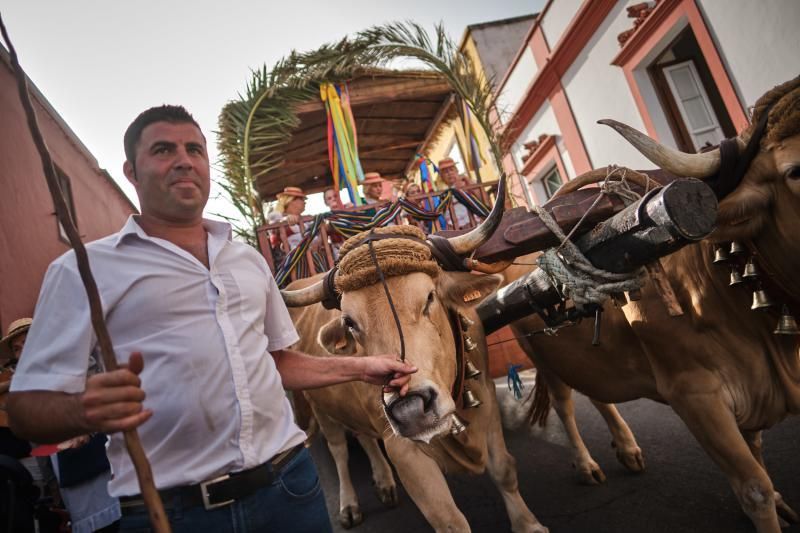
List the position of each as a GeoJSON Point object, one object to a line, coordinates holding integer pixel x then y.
{"type": "Point", "coordinates": [446, 163]}
{"type": "Point", "coordinates": [296, 192]}
{"type": "Point", "coordinates": [17, 328]}
{"type": "Point", "coordinates": [371, 178]}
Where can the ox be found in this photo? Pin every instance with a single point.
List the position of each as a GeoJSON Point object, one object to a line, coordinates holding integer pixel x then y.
{"type": "Point", "coordinates": [428, 304]}
{"type": "Point", "coordinates": [719, 366]}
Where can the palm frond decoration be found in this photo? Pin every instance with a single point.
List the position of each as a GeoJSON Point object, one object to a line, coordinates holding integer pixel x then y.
{"type": "Point", "coordinates": [262, 119]}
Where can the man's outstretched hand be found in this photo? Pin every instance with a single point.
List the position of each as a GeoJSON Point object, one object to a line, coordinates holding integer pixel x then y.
{"type": "Point", "coordinates": [378, 369]}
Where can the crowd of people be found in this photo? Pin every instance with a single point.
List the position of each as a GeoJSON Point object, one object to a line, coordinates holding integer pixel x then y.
{"type": "Point", "coordinates": [290, 206]}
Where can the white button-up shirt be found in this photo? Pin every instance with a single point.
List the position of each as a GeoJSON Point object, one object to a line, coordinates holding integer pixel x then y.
{"type": "Point", "coordinates": [205, 334]}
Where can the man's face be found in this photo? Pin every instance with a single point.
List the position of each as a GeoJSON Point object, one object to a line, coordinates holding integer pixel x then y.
{"type": "Point", "coordinates": [171, 174]}
{"type": "Point", "coordinates": [332, 199]}
{"type": "Point", "coordinates": [17, 344]}
{"type": "Point", "coordinates": [449, 175]}
{"type": "Point", "coordinates": [373, 191]}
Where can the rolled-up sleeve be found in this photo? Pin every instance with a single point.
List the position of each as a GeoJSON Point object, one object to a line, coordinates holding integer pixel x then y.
{"type": "Point", "coordinates": [57, 348]}
{"type": "Point", "coordinates": [277, 321]}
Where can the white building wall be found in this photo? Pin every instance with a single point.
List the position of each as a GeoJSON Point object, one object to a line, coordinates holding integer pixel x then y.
{"type": "Point", "coordinates": [544, 122]}
{"type": "Point", "coordinates": [597, 89]}
{"type": "Point", "coordinates": [516, 86]}
{"type": "Point", "coordinates": [758, 42]}
{"type": "Point", "coordinates": [557, 18]}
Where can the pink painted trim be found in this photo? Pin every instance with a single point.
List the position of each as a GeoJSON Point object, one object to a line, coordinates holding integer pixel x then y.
{"type": "Point", "coordinates": [590, 16]}
{"type": "Point", "coordinates": [665, 16]}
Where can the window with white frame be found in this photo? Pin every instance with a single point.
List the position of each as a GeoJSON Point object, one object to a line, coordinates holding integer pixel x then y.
{"type": "Point", "coordinates": [693, 104]}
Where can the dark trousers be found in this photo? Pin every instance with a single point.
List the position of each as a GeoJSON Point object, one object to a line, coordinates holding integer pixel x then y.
{"type": "Point", "coordinates": [293, 503]}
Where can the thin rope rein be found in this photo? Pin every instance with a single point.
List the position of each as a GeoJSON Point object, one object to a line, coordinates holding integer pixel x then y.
{"type": "Point", "coordinates": [382, 278]}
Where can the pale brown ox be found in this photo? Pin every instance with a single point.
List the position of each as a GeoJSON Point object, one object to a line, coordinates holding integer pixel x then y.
{"type": "Point", "coordinates": [417, 436]}
{"type": "Point", "coordinates": [719, 366]}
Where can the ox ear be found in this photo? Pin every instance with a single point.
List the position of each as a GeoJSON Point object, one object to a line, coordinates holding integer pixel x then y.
{"type": "Point", "coordinates": [336, 338]}
{"type": "Point", "coordinates": [463, 289]}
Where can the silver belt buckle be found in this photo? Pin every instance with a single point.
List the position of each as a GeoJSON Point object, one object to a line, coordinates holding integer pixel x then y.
{"type": "Point", "coordinates": [204, 493]}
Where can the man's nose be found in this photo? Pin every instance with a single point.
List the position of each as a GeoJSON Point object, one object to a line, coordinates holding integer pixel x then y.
{"type": "Point", "coordinates": [182, 159]}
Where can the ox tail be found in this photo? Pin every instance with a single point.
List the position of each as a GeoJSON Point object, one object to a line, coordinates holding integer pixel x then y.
{"type": "Point", "coordinates": [540, 406]}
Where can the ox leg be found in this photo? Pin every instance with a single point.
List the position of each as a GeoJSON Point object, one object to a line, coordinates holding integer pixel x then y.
{"type": "Point", "coordinates": [425, 484]}
{"type": "Point", "coordinates": [786, 514]}
{"type": "Point", "coordinates": [623, 441]}
{"type": "Point", "coordinates": [381, 471]}
{"type": "Point", "coordinates": [589, 472]}
{"type": "Point", "coordinates": [713, 424]}
{"type": "Point", "coordinates": [349, 511]}
{"type": "Point", "coordinates": [503, 469]}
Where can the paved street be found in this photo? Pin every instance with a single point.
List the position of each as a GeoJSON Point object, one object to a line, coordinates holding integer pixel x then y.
{"type": "Point", "coordinates": [681, 490]}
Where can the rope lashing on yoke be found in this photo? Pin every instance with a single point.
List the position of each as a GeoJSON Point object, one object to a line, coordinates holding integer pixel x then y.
{"type": "Point", "coordinates": [572, 273]}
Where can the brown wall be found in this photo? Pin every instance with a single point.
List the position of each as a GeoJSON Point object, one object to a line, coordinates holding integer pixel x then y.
{"type": "Point", "coordinates": [29, 238]}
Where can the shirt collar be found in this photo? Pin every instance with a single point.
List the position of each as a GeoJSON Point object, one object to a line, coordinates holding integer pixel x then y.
{"type": "Point", "coordinates": [217, 230]}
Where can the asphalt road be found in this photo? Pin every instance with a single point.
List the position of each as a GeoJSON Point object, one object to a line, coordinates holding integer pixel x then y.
{"type": "Point", "coordinates": [680, 491]}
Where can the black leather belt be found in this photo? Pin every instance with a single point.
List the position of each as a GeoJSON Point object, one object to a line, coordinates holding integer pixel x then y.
{"type": "Point", "coordinates": [220, 491]}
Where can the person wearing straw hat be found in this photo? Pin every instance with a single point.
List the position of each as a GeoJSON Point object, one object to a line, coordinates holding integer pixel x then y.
{"type": "Point", "coordinates": [203, 339]}
{"type": "Point", "coordinates": [11, 345]}
{"type": "Point", "coordinates": [449, 174]}
{"type": "Point", "coordinates": [289, 206]}
{"type": "Point", "coordinates": [372, 187]}
{"type": "Point", "coordinates": [10, 349]}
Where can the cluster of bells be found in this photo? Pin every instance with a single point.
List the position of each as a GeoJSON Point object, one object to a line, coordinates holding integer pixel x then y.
{"type": "Point", "coordinates": [728, 255]}
{"type": "Point", "coordinates": [468, 398]}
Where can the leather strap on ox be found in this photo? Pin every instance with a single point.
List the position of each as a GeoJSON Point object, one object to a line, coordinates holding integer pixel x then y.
{"type": "Point", "coordinates": [733, 165]}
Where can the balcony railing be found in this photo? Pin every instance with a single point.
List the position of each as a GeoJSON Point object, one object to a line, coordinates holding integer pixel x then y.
{"type": "Point", "coordinates": [279, 240]}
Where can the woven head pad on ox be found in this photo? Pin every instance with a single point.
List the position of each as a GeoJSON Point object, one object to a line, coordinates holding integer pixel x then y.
{"type": "Point", "coordinates": [396, 257]}
{"type": "Point", "coordinates": [784, 113]}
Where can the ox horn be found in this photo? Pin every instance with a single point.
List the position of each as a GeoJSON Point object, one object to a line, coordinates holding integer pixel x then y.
{"type": "Point", "coordinates": [306, 296]}
{"type": "Point", "coordinates": [464, 244]}
{"type": "Point", "coordinates": [675, 162]}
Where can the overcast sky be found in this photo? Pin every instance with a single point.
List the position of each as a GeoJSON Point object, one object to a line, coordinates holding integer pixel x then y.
{"type": "Point", "coordinates": [101, 62]}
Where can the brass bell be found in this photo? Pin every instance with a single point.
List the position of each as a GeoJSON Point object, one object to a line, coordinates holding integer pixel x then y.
{"type": "Point", "coordinates": [469, 344]}
{"type": "Point", "coordinates": [466, 322]}
{"type": "Point", "coordinates": [736, 277]}
{"type": "Point", "coordinates": [738, 248]}
{"type": "Point", "coordinates": [750, 270]}
{"type": "Point", "coordinates": [471, 371]}
{"type": "Point", "coordinates": [458, 424]}
{"type": "Point", "coordinates": [787, 324]}
{"type": "Point", "coordinates": [469, 399]}
{"type": "Point", "coordinates": [761, 300]}
{"type": "Point", "coordinates": [721, 255]}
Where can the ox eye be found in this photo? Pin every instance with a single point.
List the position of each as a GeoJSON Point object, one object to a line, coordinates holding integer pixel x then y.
{"type": "Point", "coordinates": [426, 311]}
{"type": "Point", "coordinates": [349, 323]}
{"type": "Point", "coordinates": [793, 172]}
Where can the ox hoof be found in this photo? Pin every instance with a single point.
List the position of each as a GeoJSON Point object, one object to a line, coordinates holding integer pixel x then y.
{"type": "Point", "coordinates": [590, 473]}
{"type": "Point", "coordinates": [785, 513]}
{"type": "Point", "coordinates": [387, 495]}
{"type": "Point", "coordinates": [631, 458]}
{"type": "Point", "coordinates": [350, 516]}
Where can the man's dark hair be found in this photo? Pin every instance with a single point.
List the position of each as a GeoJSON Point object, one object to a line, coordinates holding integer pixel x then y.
{"type": "Point", "coordinates": [175, 114]}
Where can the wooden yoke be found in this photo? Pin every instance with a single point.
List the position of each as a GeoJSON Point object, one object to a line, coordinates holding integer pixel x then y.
{"type": "Point", "coordinates": [522, 232]}
{"type": "Point", "coordinates": [143, 472]}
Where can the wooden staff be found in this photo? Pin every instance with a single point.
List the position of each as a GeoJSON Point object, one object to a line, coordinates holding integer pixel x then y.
{"type": "Point", "coordinates": [143, 472]}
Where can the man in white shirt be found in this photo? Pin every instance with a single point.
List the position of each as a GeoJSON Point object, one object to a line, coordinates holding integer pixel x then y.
{"type": "Point", "coordinates": [200, 325]}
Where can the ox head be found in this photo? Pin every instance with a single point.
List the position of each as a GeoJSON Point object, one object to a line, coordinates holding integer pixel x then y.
{"type": "Point", "coordinates": [768, 196]}
{"type": "Point", "coordinates": [423, 296]}
{"type": "Point", "coordinates": [423, 300]}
